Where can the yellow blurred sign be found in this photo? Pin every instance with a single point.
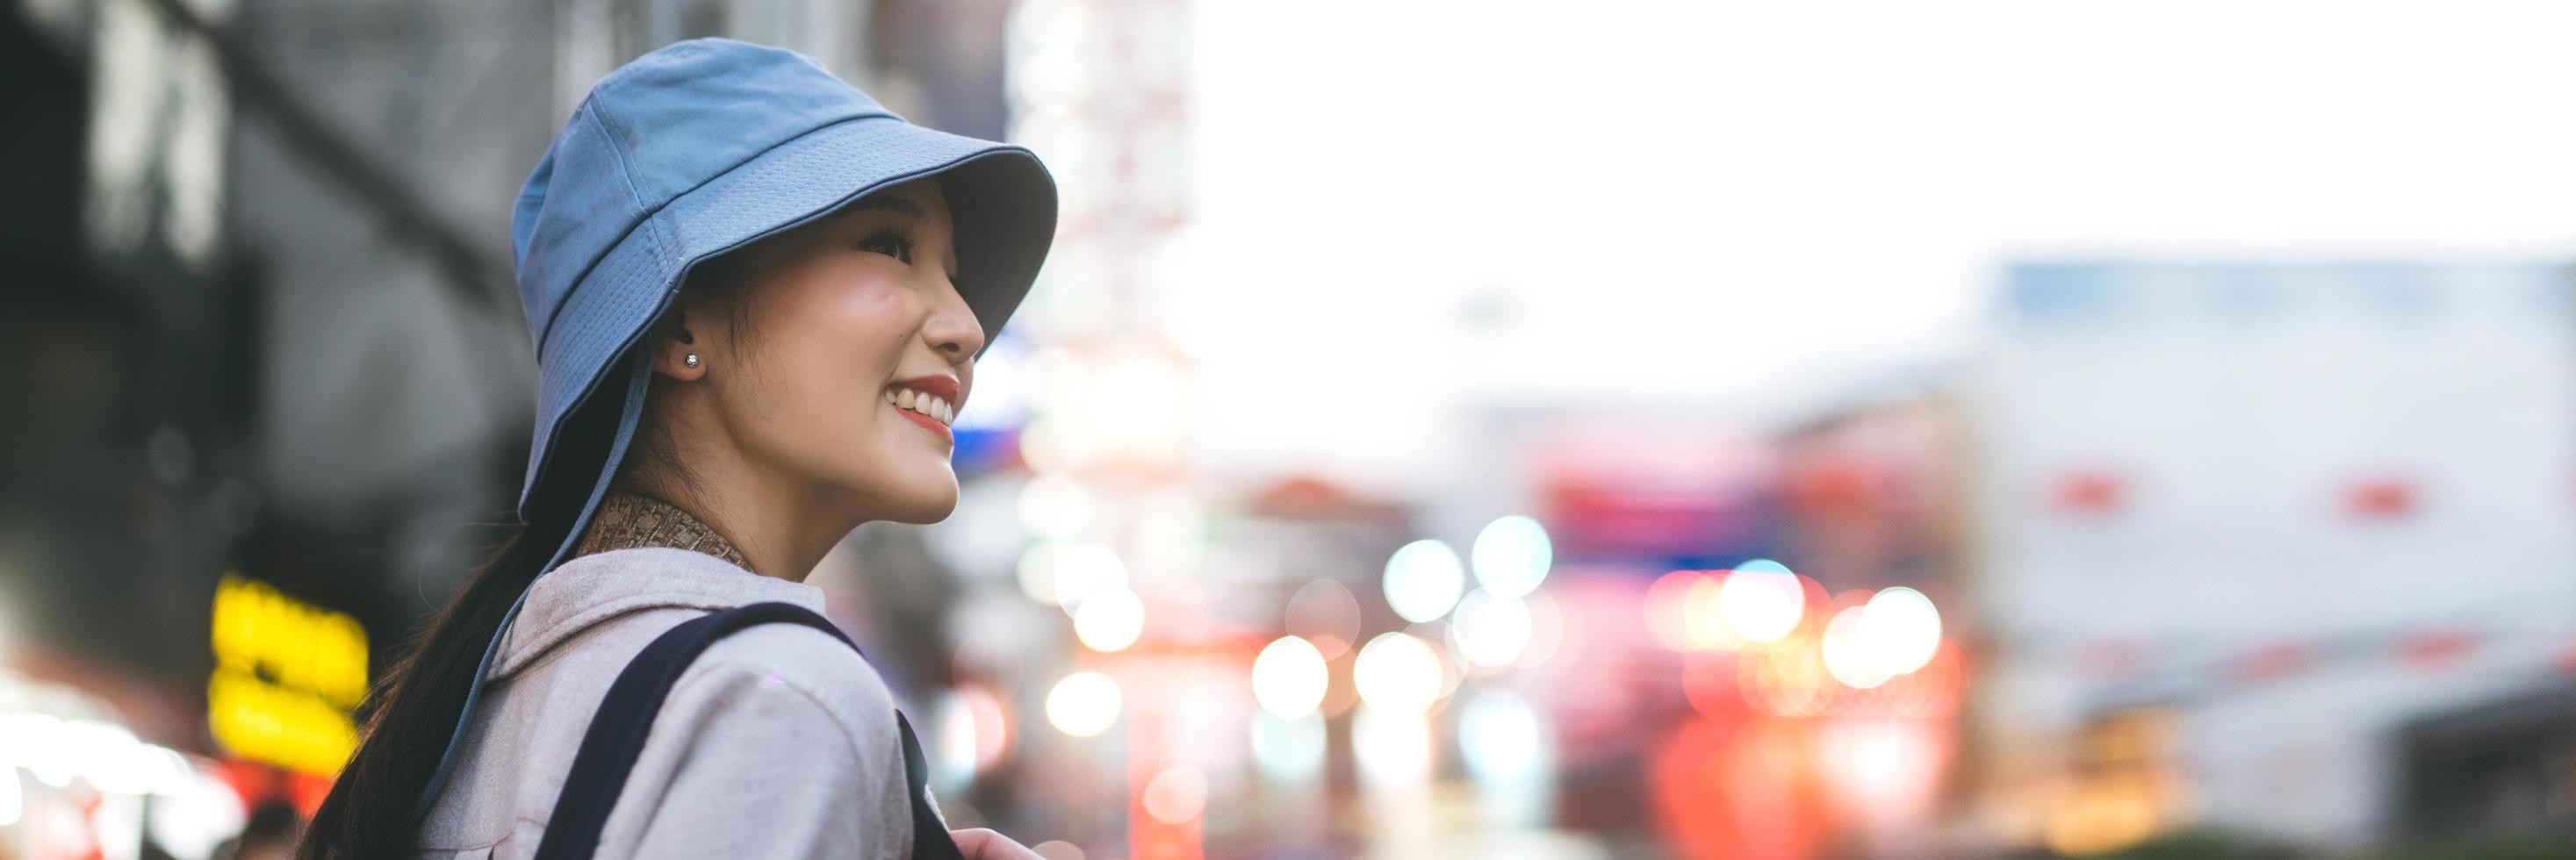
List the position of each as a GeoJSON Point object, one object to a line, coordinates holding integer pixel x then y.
{"type": "Point", "coordinates": [287, 674]}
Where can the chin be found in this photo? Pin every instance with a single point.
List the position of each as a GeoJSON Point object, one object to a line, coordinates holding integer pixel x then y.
{"type": "Point", "coordinates": [923, 505]}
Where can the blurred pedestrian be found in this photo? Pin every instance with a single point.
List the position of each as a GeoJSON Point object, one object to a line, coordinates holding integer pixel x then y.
{"type": "Point", "coordinates": [757, 298]}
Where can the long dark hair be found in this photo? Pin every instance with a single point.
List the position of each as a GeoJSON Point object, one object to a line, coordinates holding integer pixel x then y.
{"type": "Point", "coordinates": [414, 709]}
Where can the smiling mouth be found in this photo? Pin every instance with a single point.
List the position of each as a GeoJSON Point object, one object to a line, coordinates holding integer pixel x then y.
{"type": "Point", "coordinates": [929, 410]}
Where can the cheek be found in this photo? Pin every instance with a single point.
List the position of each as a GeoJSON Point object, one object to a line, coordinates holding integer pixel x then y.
{"type": "Point", "coordinates": [836, 325]}
{"type": "Point", "coordinates": [829, 349]}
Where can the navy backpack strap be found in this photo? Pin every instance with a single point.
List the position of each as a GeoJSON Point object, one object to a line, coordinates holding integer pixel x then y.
{"type": "Point", "coordinates": [625, 719]}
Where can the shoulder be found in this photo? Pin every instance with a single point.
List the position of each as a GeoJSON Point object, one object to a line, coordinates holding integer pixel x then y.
{"type": "Point", "coordinates": [779, 725]}
{"type": "Point", "coordinates": [788, 672]}
{"type": "Point", "coordinates": [613, 602]}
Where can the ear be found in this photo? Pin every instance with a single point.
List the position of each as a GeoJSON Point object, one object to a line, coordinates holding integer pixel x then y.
{"type": "Point", "coordinates": [675, 340]}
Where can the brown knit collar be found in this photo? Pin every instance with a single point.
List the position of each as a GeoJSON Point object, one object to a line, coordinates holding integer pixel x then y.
{"type": "Point", "coordinates": [630, 520]}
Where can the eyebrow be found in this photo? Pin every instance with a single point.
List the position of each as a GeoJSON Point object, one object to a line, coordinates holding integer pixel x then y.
{"type": "Point", "coordinates": [889, 203]}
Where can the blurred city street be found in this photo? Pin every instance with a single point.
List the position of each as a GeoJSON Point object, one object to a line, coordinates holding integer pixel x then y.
{"type": "Point", "coordinates": [1441, 429]}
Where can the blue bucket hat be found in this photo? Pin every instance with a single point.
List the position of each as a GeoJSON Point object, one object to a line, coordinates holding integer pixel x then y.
{"type": "Point", "coordinates": [686, 153]}
{"type": "Point", "coordinates": [706, 145]}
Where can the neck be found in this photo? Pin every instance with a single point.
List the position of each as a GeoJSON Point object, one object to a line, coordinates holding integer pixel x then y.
{"type": "Point", "coordinates": [627, 520]}
{"type": "Point", "coordinates": [781, 522]}
{"type": "Point", "coordinates": [780, 534]}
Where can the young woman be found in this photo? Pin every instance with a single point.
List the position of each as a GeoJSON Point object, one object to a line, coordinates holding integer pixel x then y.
{"type": "Point", "coordinates": [757, 299]}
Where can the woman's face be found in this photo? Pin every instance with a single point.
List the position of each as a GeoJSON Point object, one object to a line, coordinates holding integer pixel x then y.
{"type": "Point", "coordinates": [854, 352]}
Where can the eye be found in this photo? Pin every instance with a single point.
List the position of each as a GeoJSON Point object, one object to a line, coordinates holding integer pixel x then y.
{"type": "Point", "coordinates": [889, 243]}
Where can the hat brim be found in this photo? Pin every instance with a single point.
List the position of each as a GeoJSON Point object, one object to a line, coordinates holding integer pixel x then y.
{"type": "Point", "coordinates": [1002, 200]}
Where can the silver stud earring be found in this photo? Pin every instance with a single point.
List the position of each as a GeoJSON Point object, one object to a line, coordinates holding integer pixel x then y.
{"type": "Point", "coordinates": [691, 361]}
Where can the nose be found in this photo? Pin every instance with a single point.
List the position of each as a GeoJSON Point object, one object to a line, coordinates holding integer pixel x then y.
{"type": "Point", "coordinates": [952, 329]}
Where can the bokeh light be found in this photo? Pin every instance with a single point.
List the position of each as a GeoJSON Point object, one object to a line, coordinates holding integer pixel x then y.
{"type": "Point", "coordinates": [1289, 678]}
{"type": "Point", "coordinates": [1109, 619]}
{"type": "Point", "coordinates": [1490, 630]}
{"type": "Point", "coordinates": [1438, 635]}
{"type": "Point", "coordinates": [1423, 579]}
{"type": "Point", "coordinates": [1786, 679]}
{"type": "Point", "coordinates": [1511, 556]}
{"type": "Point", "coordinates": [1663, 607]}
{"type": "Point", "coordinates": [1039, 568]}
{"type": "Point", "coordinates": [1176, 795]}
{"type": "Point", "coordinates": [1850, 654]}
{"type": "Point", "coordinates": [1934, 689]}
{"type": "Point", "coordinates": [1326, 615]}
{"type": "Point", "coordinates": [1762, 601]}
{"type": "Point", "coordinates": [1398, 673]}
{"type": "Point", "coordinates": [1904, 629]}
{"type": "Point", "coordinates": [1547, 630]}
{"type": "Point", "coordinates": [1083, 704]}
{"type": "Point", "coordinates": [1084, 569]}
{"type": "Point", "coordinates": [1704, 618]}
{"type": "Point", "coordinates": [1684, 612]}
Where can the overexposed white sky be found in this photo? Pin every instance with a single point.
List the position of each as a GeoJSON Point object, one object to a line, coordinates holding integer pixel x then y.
{"type": "Point", "coordinates": [1409, 206]}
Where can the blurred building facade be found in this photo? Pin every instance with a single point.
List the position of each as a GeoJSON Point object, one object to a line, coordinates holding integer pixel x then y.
{"type": "Point", "coordinates": [2240, 525]}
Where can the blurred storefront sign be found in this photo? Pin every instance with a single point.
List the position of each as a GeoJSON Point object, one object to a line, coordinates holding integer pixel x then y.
{"type": "Point", "coordinates": [286, 675]}
{"type": "Point", "coordinates": [1672, 498]}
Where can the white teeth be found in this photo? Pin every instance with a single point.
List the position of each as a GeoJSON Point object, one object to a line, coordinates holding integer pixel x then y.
{"type": "Point", "coordinates": [925, 403]}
